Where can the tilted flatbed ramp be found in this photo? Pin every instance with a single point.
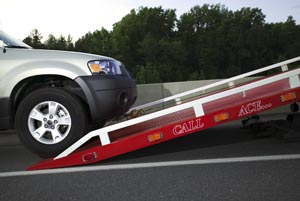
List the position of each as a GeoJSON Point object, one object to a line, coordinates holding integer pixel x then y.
{"type": "Point", "coordinates": [210, 106]}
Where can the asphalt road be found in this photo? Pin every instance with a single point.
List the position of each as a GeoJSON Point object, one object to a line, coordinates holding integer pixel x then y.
{"type": "Point", "coordinates": [222, 163]}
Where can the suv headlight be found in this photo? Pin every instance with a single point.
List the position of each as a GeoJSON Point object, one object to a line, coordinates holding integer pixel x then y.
{"type": "Point", "coordinates": [107, 67]}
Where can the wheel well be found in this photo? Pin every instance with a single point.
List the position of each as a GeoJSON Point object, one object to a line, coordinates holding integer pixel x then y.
{"type": "Point", "coordinates": [31, 84]}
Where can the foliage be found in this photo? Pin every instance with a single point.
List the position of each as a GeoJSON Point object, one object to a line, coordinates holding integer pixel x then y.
{"type": "Point", "coordinates": [59, 43]}
{"type": "Point", "coordinates": [207, 42]}
{"type": "Point", "coordinates": [98, 42]}
{"type": "Point", "coordinates": [34, 39]}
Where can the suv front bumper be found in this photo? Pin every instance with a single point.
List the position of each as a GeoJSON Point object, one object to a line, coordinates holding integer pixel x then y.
{"type": "Point", "coordinates": [108, 96]}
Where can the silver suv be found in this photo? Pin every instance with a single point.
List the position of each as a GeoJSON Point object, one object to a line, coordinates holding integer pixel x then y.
{"type": "Point", "coordinates": [52, 98]}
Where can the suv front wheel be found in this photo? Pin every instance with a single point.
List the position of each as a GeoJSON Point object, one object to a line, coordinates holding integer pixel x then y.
{"type": "Point", "coordinates": [49, 120]}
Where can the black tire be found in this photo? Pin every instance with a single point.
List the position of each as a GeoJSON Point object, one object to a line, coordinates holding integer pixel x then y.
{"type": "Point", "coordinates": [67, 107]}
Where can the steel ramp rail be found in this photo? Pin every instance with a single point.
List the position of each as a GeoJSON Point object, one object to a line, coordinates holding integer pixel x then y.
{"type": "Point", "coordinates": [205, 112]}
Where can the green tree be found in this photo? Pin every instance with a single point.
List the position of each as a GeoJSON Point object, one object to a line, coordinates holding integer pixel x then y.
{"type": "Point", "coordinates": [98, 42]}
{"type": "Point", "coordinates": [148, 74]}
{"type": "Point", "coordinates": [202, 33]}
{"type": "Point", "coordinates": [34, 39]}
{"type": "Point", "coordinates": [221, 43]}
{"type": "Point", "coordinates": [51, 42]}
{"type": "Point", "coordinates": [60, 43]}
{"type": "Point", "coordinates": [69, 43]}
{"type": "Point", "coordinates": [144, 38]}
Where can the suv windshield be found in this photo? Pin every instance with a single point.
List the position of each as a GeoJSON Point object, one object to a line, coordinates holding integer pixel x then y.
{"type": "Point", "coordinates": [10, 42]}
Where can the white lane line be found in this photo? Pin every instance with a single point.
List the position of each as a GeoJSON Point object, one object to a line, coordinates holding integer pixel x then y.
{"type": "Point", "coordinates": [153, 164]}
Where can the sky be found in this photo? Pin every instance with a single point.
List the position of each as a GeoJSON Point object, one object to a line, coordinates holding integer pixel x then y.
{"type": "Point", "coordinates": [77, 17]}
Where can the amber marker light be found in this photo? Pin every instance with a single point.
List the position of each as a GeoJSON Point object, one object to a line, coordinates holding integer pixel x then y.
{"type": "Point", "coordinates": [288, 97]}
{"type": "Point", "coordinates": [155, 137]}
{"type": "Point", "coordinates": [221, 117]}
{"type": "Point", "coordinates": [95, 68]}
